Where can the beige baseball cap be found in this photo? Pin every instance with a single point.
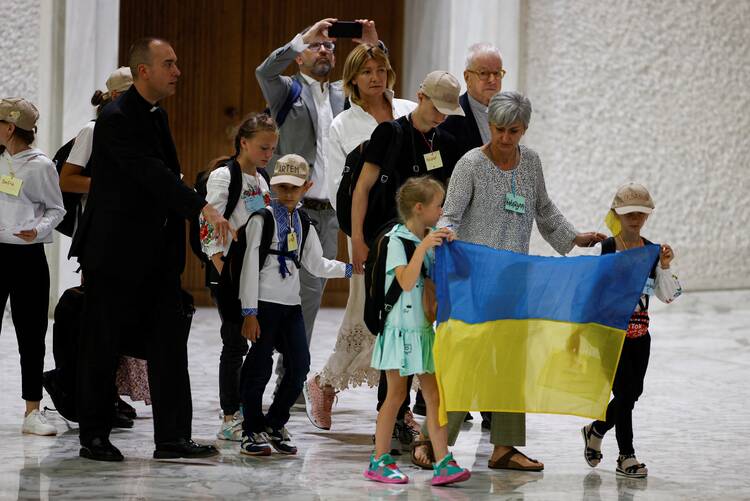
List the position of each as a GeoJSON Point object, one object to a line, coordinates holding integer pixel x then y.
{"type": "Point", "coordinates": [632, 197]}
{"type": "Point", "coordinates": [443, 90]}
{"type": "Point", "coordinates": [18, 111]}
{"type": "Point", "coordinates": [120, 80]}
{"type": "Point", "coordinates": [291, 169]}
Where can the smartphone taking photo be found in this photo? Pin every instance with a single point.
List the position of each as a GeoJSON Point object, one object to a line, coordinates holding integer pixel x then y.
{"type": "Point", "coordinates": [345, 29]}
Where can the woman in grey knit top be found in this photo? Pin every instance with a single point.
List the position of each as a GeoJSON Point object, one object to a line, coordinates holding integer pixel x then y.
{"type": "Point", "coordinates": [495, 194]}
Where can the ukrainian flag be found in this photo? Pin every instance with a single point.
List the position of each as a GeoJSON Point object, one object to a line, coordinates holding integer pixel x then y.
{"type": "Point", "coordinates": [519, 333]}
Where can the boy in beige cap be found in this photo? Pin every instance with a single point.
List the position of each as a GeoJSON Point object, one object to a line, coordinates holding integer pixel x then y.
{"type": "Point", "coordinates": [271, 305]}
{"type": "Point", "coordinates": [628, 213]}
{"type": "Point", "coordinates": [30, 207]}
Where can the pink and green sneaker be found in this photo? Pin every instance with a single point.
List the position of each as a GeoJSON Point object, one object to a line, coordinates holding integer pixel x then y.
{"type": "Point", "coordinates": [447, 472]}
{"type": "Point", "coordinates": [385, 470]}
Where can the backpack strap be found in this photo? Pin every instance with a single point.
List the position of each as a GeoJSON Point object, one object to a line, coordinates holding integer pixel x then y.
{"type": "Point", "coordinates": [266, 238]}
{"type": "Point", "coordinates": [294, 92]}
{"type": "Point", "coordinates": [394, 148]}
{"type": "Point", "coordinates": [395, 290]}
{"type": "Point", "coordinates": [235, 187]}
{"type": "Point", "coordinates": [306, 223]}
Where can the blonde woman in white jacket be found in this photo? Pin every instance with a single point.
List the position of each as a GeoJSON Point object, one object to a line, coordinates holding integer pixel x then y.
{"type": "Point", "coordinates": [368, 83]}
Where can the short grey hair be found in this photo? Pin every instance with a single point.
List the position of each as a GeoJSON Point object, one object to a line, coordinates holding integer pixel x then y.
{"type": "Point", "coordinates": [508, 107]}
{"type": "Point", "coordinates": [481, 48]}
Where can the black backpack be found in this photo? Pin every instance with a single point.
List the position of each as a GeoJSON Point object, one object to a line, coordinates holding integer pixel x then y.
{"type": "Point", "coordinates": [291, 98]}
{"type": "Point", "coordinates": [378, 301]}
{"type": "Point", "coordinates": [71, 201]}
{"type": "Point", "coordinates": [228, 293]}
{"type": "Point", "coordinates": [381, 205]}
{"type": "Point", "coordinates": [60, 382]}
{"type": "Point", "coordinates": [235, 190]}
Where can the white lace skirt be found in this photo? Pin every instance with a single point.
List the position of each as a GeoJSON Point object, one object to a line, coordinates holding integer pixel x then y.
{"type": "Point", "coordinates": [349, 364]}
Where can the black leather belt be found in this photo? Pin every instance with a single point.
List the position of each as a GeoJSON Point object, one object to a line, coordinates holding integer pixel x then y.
{"type": "Point", "coordinates": [319, 205]}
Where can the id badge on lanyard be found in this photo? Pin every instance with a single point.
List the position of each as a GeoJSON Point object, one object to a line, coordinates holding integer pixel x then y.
{"type": "Point", "coordinates": [513, 202]}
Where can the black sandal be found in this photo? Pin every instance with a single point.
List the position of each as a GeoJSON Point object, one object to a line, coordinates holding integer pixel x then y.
{"type": "Point", "coordinates": [637, 470]}
{"type": "Point", "coordinates": [592, 456]}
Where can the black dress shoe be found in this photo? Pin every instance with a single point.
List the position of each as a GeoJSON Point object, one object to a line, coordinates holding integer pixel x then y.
{"type": "Point", "coordinates": [100, 449]}
{"type": "Point", "coordinates": [183, 449]}
{"type": "Point", "coordinates": [126, 409]}
{"type": "Point", "coordinates": [120, 420]}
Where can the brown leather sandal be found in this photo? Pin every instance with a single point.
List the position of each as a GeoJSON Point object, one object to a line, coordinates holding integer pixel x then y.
{"type": "Point", "coordinates": [430, 454]}
{"type": "Point", "coordinates": [506, 463]}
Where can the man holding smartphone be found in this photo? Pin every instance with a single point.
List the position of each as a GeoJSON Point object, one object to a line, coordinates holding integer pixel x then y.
{"type": "Point", "coordinates": [307, 104]}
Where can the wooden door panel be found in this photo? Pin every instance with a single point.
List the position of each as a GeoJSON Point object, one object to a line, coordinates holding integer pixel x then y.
{"type": "Point", "coordinates": [219, 43]}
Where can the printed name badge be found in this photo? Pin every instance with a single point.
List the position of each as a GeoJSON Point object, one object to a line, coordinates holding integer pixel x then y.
{"type": "Point", "coordinates": [291, 241]}
{"type": "Point", "coordinates": [433, 160]}
{"type": "Point", "coordinates": [515, 203]}
{"type": "Point", "coordinates": [254, 203]}
{"type": "Point", "coordinates": [649, 287]}
{"type": "Point", "coordinates": [10, 185]}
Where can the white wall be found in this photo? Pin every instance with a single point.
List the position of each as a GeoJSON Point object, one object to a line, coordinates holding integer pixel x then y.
{"type": "Point", "coordinates": [439, 32]}
{"type": "Point", "coordinates": [652, 91]}
{"type": "Point", "coordinates": [647, 90]}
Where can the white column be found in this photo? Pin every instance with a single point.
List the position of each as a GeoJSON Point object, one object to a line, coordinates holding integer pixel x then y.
{"type": "Point", "coordinates": [90, 54]}
{"type": "Point", "coordinates": [439, 32]}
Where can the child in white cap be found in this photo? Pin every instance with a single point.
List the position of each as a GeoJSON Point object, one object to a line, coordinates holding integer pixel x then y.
{"type": "Point", "coordinates": [271, 306]}
{"type": "Point", "coordinates": [30, 207]}
{"type": "Point", "coordinates": [628, 213]}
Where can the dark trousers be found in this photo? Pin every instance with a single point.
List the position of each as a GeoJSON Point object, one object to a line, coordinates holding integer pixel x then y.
{"type": "Point", "coordinates": [233, 350]}
{"type": "Point", "coordinates": [283, 329]}
{"type": "Point", "coordinates": [626, 389]}
{"type": "Point", "coordinates": [26, 281]}
{"type": "Point", "coordinates": [125, 318]}
{"type": "Point", "coordinates": [383, 392]}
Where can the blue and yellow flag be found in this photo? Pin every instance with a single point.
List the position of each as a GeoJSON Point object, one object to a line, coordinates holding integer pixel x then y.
{"type": "Point", "coordinates": [519, 333]}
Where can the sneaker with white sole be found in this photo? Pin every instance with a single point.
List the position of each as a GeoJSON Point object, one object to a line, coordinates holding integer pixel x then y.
{"type": "Point", "coordinates": [36, 424]}
{"type": "Point", "coordinates": [281, 440]}
{"type": "Point", "coordinates": [231, 430]}
{"type": "Point", "coordinates": [255, 444]}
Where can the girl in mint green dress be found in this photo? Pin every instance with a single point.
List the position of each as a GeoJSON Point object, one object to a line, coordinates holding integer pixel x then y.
{"type": "Point", "coordinates": [405, 345]}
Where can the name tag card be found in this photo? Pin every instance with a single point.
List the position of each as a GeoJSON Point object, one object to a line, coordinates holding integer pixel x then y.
{"type": "Point", "coordinates": [10, 185]}
{"type": "Point", "coordinates": [515, 203]}
{"type": "Point", "coordinates": [291, 241]}
{"type": "Point", "coordinates": [433, 160]}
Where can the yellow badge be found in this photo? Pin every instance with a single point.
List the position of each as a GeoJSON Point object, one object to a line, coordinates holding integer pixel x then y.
{"type": "Point", "coordinates": [433, 160]}
{"type": "Point", "coordinates": [10, 185]}
{"type": "Point", "coordinates": [291, 241]}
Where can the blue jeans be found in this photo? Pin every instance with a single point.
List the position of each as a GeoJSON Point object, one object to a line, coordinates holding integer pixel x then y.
{"type": "Point", "coordinates": [283, 329]}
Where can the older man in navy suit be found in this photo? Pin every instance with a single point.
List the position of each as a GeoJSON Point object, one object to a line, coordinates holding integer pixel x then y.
{"type": "Point", "coordinates": [484, 78]}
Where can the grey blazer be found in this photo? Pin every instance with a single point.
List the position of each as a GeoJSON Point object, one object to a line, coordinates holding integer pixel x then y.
{"type": "Point", "coordinates": [299, 132]}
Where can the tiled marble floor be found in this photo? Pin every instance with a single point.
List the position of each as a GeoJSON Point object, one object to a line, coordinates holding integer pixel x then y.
{"type": "Point", "coordinates": [692, 428]}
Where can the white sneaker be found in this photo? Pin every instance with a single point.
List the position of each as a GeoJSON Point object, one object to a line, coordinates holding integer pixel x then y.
{"type": "Point", "coordinates": [231, 430]}
{"type": "Point", "coordinates": [36, 424]}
